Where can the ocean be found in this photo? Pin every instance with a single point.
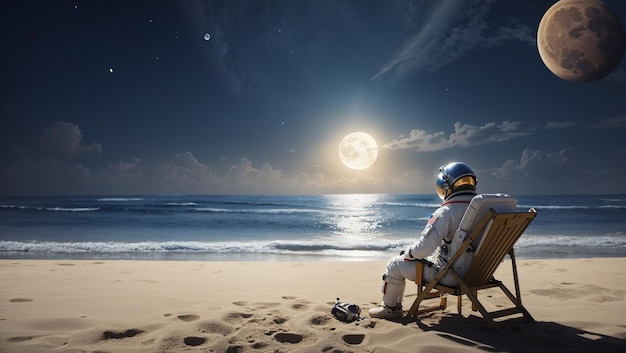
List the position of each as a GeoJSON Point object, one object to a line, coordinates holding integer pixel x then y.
{"type": "Point", "coordinates": [355, 227]}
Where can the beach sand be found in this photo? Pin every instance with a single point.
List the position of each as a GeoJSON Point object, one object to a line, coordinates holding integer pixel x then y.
{"type": "Point", "coordinates": [185, 306]}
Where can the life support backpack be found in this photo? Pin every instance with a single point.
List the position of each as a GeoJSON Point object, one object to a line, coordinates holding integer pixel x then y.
{"type": "Point", "coordinates": [345, 312]}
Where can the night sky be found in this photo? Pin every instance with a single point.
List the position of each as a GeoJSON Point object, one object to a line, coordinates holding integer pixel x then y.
{"type": "Point", "coordinates": [254, 97]}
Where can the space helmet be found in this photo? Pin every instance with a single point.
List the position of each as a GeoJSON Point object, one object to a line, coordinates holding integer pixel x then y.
{"type": "Point", "coordinates": [453, 177]}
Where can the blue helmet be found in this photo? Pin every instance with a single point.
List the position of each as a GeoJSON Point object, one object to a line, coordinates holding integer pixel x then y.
{"type": "Point", "coordinates": [454, 176]}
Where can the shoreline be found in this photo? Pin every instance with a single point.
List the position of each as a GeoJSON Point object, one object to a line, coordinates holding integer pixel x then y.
{"type": "Point", "coordinates": [276, 257]}
{"type": "Point", "coordinates": [264, 306]}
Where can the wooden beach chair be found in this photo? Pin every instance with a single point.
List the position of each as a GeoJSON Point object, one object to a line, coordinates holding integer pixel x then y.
{"type": "Point", "coordinates": [490, 228]}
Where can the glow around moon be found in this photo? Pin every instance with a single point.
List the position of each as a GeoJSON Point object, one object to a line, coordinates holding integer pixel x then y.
{"type": "Point", "coordinates": [358, 151]}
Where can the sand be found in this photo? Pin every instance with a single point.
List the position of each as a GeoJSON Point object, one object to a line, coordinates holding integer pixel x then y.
{"type": "Point", "coordinates": [185, 306]}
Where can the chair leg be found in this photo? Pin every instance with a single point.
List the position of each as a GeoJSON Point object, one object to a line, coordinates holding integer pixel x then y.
{"type": "Point", "coordinates": [424, 293]}
{"type": "Point", "coordinates": [479, 307]}
{"type": "Point", "coordinates": [471, 294]}
{"type": "Point", "coordinates": [518, 292]}
{"type": "Point", "coordinates": [443, 303]}
{"type": "Point", "coordinates": [518, 303]}
{"type": "Point", "coordinates": [474, 308]}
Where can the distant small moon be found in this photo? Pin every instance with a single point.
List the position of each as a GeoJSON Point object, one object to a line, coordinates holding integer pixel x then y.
{"type": "Point", "coordinates": [358, 150]}
{"type": "Point", "coordinates": [207, 36]}
{"type": "Point", "coordinates": [111, 70]}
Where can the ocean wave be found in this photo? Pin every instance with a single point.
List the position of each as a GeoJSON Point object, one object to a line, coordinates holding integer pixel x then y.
{"type": "Point", "coordinates": [258, 211]}
{"type": "Point", "coordinates": [119, 199]}
{"type": "Point", "coordinates": [52, 209]}
{"type": "Point", "coordinates": [432, 206]}
{"type": "Point", "coordinates": [612, 200]}
{"type": "Point", "coordinates": [72, 209]}
{"type": "Point", "coordinates": [311, 247]}
{"type": "Point", "coordinates": [268, 247]}
{"type": "Point", "coordinates": [571, 207]}
{"type": "Point", "coordinates": [592, 241]}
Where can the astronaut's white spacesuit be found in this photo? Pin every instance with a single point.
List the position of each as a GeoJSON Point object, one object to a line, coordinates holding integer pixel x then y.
{"type": "Point", "coordinates": [456, 185]}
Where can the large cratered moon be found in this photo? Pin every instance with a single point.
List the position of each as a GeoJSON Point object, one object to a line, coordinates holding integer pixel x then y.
{"type": "Point", "coordinates": [358, 150]}
{"type": "Point", "coordinates": [581, 40]}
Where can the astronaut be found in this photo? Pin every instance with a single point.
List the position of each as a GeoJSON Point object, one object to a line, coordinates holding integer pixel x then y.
{"type": "Point", "coordinates": [456, 186]}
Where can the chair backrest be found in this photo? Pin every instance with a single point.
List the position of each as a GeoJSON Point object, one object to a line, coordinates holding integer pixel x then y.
{"type": "Point", "coordinates": [476, 211]}
{"type": "Point", "coordinates": [501, 232]}
{"type": "Point", "coordinates": [478, 207]}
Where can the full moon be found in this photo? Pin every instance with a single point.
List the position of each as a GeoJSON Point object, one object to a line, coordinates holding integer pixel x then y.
{"type": "Point", "coordinates": [358, 151]}
{"type": "Point", "coordinates": [580, 40]}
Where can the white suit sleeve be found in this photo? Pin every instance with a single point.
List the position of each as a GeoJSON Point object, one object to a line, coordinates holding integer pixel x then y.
{"type": "Point", "coordinates": [430, 238]}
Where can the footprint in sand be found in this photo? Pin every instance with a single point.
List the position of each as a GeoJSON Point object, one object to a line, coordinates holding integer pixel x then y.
{"type": "Point", "coordinates": [320, 320]}
{"type": "Point", "coordinates": [107, 335]}
{"type": "Point", "coordinates": [20, 300]}
{"type": "Point", "coordinates": [353, 339]}
{"type": "Point", "coordinates": [279, 320]}
{"type": "Point", "coordinates": [257, 306]}
{"type": "Point", "coordinates": [194, 341]}
{"type": "Point", "coordinates": [300, 306]}
{"type": "Point", "coordinates": [216, 327]}
{"type": "Point", "coordinates": [285, 337]}
{"type": "Point", "coordinates": [188, 318]}
{"type": "Point", "coordinates": [19, 339]}
{"type": "Point", "coordinates": [237, 317]}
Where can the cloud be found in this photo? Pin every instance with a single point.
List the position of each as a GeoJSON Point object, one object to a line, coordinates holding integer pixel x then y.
{"type": "Point", "coordinates": [125, 170]}
{"type": "Point", "coordinates": [243, 177]}
{"type": "Point", "coordinates": [47, 176]}
{"type": "Point", "coordinates": [64, 139]}
{"type": "Point", "coordinates": [187, 174]}
{"type": "Point", "coordinates": [454, 28]}
{"type": "Point", "coordinates": [557, 125]}
{"type": "Point", "coordinates": [464, 135]}
{"type": "Point", "coordinates": [611, 123]}
{"type": "Point", "coordinates": [515, 31]}
{"type": "Point", "coordinates": [531, 164]}
{"type": "Point", "coordinates": [537, 172]}
{"type": "Point", "coordinates": [47, 169]}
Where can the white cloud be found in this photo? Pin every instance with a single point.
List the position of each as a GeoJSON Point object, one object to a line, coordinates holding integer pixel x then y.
{"type": "Point", "coordinates": [464, 135]}
{"type": "Point", "coordinates": [242, 171]}
{"type": "Point", "coordinates": [454, 29]}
